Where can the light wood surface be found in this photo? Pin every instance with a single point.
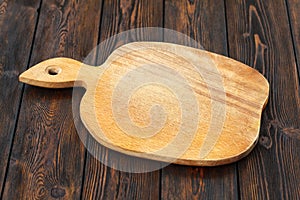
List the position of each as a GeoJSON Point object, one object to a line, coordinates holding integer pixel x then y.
{"type": "Point", "coordinates": [165, 102]}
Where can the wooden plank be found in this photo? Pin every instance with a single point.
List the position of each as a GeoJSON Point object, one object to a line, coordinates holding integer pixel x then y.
{"type": "Point", "coordinates": [102, 182]}
{"type": "Point", "coordinates": [47, 157]}
{"type": "Point", "coordinates": [294, 16]}
{"type": "Point", "coordinates": [259, 35]}
{"type": "Point", "coordinates": [14, 56]}
{"type": "Point", "coordinates": [204, 21]}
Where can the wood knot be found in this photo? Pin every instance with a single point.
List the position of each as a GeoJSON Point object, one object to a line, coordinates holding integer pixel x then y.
{"type": "Point", "coordinates": [58, 192]}
{"type": "Point", "coordinates": [265, 142]}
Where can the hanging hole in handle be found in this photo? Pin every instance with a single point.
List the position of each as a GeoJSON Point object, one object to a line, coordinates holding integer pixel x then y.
{"type": "Point", "coordinates": [53, 70]}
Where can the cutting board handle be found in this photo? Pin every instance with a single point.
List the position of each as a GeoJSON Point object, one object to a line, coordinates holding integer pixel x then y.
{"type": "Point", "coordinates": [56, 73]}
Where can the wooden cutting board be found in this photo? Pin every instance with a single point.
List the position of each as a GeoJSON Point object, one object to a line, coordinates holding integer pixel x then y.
{"type": "Point", "coordinates": [165, 102]}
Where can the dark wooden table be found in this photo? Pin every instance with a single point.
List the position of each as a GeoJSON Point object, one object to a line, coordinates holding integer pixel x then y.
{"type": "Point", "coordinates": [41, 154]}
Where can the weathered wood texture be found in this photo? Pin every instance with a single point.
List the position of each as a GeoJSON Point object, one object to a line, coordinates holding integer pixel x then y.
{"type": "Point", "coordinates": [294, 16]}
{"type": "Point", "coordinates": [47, 157]}
{"type": "Point", "coordinates": [14, 56]}
{"type": "Point", "coordinates": [41, 165]}
{"type": "Point", "coordinates": [100, 181]}
{"type": "Point", "coordinates": [204, 22]}
{"type": "Point", "coordinates": [259, 35]}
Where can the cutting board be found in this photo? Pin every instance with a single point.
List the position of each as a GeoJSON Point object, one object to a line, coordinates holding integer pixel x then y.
{"type": "Point", "coordinates": [165, 102]}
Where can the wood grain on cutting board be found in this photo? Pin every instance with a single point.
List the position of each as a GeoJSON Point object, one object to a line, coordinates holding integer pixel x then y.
{"type": "Point", "coordinates": [225, 92]}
